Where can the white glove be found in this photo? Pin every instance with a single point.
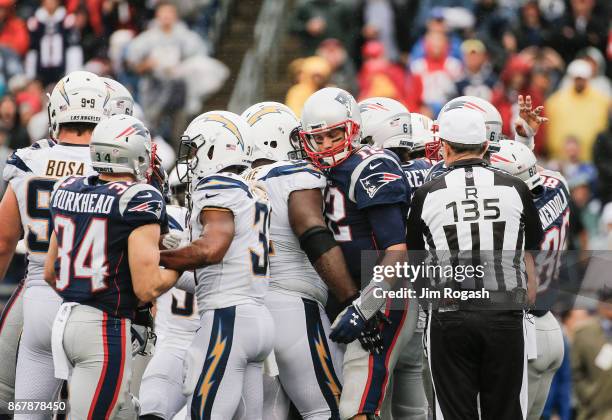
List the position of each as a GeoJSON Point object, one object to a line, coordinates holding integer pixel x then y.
{"type": "Point", "coordinates": [174, 239]}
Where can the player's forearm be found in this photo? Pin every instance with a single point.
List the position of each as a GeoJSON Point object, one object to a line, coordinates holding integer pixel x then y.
{"type": "Point", "coordinates": [153, 282]}
{"type": "Point", "coordinates": [336, 274]}
{"type": "Point", "coordinates": [198, 254]}
{"type": "Point", "coordinates": [393, 255]}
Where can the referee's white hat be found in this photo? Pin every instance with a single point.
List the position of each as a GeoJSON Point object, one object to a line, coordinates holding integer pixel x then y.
{"type": "Point", "coordinates": [462, 126]}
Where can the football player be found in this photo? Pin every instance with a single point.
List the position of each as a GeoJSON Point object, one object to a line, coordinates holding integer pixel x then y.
{"type": "Point", "coordinates": [229, 253]}
{"type": "Point", "coordinates": [121, 100]}
{"type": "Point", "coordinates": [308, 362]}
{"type": "Point", "coordinates": [493, 123]}
{"type": "Point", "coordinates": [77, 103]}
{"type": "Point", "coordinates": [176, 321]}
{"type": "Point", "coordinates": [551, 197]}
{"type": "Point", "coordinates": [387, 124]}
{"type": "Point", "coordinates": [365, 205]}
{"type": "Point", "coordinates": [526, 126]}
{"type": "Point", "coordinates": [103, 259]}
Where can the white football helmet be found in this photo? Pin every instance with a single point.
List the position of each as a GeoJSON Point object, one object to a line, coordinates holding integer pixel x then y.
{"type": "Point", "coordinates": [122, 144]}
{"type": "Point", "coordinates": [80, 96]}
{"type": "Point", "coordinates": [493, 120]}
{"type": "Point", "coordinates": [121, 100]}
{"type": "Point", "coordinates": [325, 110]}
{"type": "Point", "coordinates": [518, 160]}
{"type": "Point", "coordinates": [214, 141]}
{"type": "Point", "coordinates": [275, 131]}
{"type": "Point", "coordinates": [422, 131]}
{"type": "Point", "coordinates": [386, 123]}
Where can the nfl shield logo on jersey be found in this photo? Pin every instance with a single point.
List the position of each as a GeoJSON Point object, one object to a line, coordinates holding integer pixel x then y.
{"type": "Point", "coordinates": [374, 182]}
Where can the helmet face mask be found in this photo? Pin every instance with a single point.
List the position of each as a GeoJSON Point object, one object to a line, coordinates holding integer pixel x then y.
{"type": "Point", "coordinates": [341, 149]}
{"type": "Point", "coordinates": [298, 149]}
{"type": "Point", "coordinates": [326, 110]}
{"type": "Point", "coordinates": [213, 142]}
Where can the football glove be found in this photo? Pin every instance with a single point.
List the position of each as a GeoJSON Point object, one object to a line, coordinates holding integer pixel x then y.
{"type": "Point", "coordinates": [174, 239]}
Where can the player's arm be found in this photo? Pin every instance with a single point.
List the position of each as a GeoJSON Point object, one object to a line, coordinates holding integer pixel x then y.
{"type": "Point", "coordinates": [10, 229]}
{"type": "Point", "coordinates": [318, 243]}
{"type": "Point", "coordinates": [148, 280]}
{"type": "Point", "coordinates": [50, 261]}
{"type": "Point", "coordinates": [389, 226]}
{"type": "Point", "coordinates": [210, 248]}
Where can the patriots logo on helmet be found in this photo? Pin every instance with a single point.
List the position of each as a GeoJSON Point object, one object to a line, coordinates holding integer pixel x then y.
{"type": "Point", "coordinates": [372, 107]}
{"type": "Point", "coordinates": [373, 183]}
{"type": "Point", "coordinates": [464, 104]}
{"type": "Point", "coordinates": [134, 129]}
{"type": "Point", "coordinates": [151, 206]}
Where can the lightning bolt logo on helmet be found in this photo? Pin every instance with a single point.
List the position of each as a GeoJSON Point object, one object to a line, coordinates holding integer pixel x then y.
{"type": "Point", "coordinates": [61, 88]}
{"type": "Point", "coordinates": [227, 124]}
{"type": "Point", "coordinates": [264, 111]}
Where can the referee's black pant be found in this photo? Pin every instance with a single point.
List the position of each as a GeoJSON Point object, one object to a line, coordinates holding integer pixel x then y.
{"type": "Point", "coordinates": [477, 352]}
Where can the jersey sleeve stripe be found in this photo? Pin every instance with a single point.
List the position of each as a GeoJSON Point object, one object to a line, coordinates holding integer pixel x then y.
{"type": "Point", "coordinates": [17, 162]}
{"type": "Point", "coordinates": [222, 183]}
{"type": "Point", "coordinates": [174, 224]}
{"type": "Point", "coordinates": [290, 170]}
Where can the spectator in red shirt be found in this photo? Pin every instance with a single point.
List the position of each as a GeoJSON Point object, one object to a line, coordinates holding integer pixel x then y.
{"type": "Point", "coordinates": [516, 80]}
{"type": "Point", "coordinates": [13, 31]}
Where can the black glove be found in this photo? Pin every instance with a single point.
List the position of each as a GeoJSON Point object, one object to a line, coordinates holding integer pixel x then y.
{"type": "Point", "coordinates": [144, 316]}
{"type": "Point", "coordinates": [371, 338]}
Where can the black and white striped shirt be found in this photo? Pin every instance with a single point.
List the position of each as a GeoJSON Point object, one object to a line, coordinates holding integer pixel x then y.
{"type": "Point", "coordinates": [476, 208]}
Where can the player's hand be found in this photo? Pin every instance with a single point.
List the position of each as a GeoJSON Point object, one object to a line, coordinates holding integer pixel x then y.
{"type": "Point", "coordinates": [529, 120]}
{"type": "Point", "coordinates": [173, 239]}
{"type": "Point", "coordinates": [144, 316]}
{"type": "Point", "coordinates": [348, 326]}
{"type": "Point", "coordinates": [371, 338]}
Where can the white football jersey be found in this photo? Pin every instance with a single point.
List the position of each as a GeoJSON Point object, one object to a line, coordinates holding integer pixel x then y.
{"type": "Point", "coordinates": [290, 269]}
{"type": "Point", "coordinates": [32, 172]}
{"type": "Point", "coordinates": [242, 276]}
{"type": "Point", "coordinates": [176, 310]}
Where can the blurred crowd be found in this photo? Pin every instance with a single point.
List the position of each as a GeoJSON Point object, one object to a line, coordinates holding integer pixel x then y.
{"type": "Point", "coordinates": [160, 50]}
{"type": "Point", "coordinates": [425, 52]}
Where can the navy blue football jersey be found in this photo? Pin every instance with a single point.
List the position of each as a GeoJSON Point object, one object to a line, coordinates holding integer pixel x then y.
{"type": "Point", "coordinates": [92, 221]}
{"type": "Point", "coordinates": [369, 177]}
{"type": "Point", "coordinates": [553, 208]}
{"type": "Point", "coordinates": [416, 172]}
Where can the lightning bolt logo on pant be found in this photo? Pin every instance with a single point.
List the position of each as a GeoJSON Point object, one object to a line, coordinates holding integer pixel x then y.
{"type": "Point", "coordinates": [327, 365]}
{"type": "Point", "coordinates": [215, 356]}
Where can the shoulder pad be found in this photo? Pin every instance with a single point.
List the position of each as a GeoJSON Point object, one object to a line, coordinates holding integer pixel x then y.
{"type": "Point", "coordinates": [140, 190]}
{"type": "Point", "coordinates": [221, 182]}
{"type": "Point", "coordinates": [371, 169]}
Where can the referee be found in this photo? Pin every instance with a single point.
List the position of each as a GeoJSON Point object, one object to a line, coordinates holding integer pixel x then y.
{"type": "Point", "coordinates": [476, 347]}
